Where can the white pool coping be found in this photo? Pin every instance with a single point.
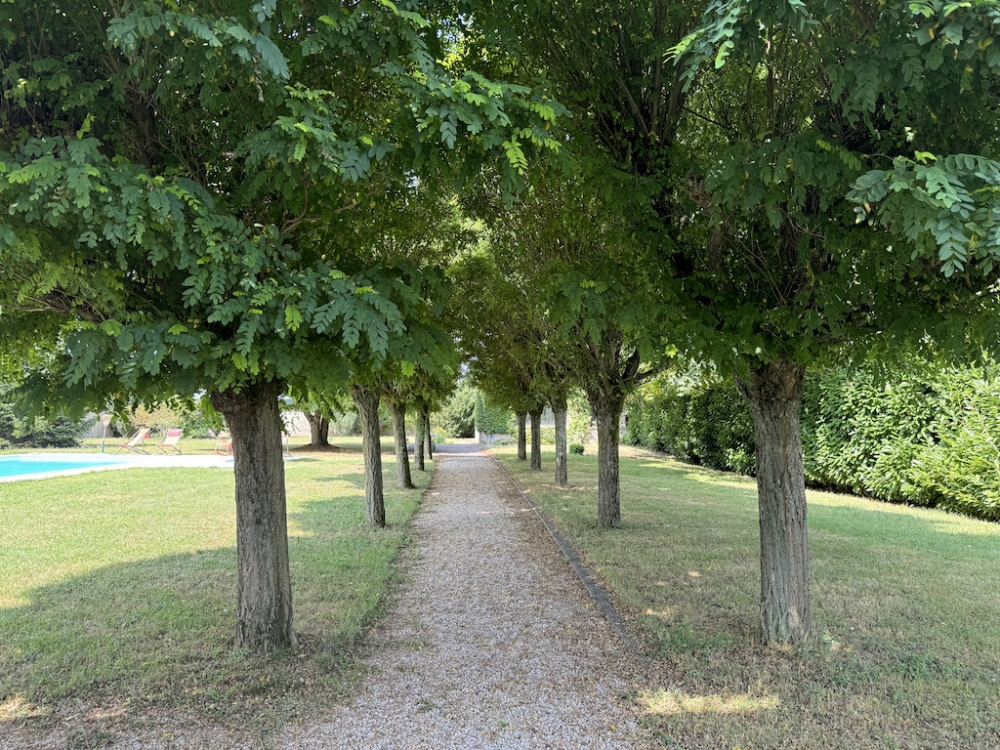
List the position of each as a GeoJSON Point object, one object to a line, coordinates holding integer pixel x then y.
{"type": "Point", "coordinates": [103, 462]}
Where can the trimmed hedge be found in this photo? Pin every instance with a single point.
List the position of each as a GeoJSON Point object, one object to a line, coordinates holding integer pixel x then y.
{"type": "Point", "coordinates": [704, 422]}
{"type": "Point", "coordinates": [491, 419]}
{"type": "Point", "coordinates": [923, 435]}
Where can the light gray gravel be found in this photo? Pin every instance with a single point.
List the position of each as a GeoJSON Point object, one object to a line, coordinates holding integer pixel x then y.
{"type": "Point", "coordinates": [493, 644]}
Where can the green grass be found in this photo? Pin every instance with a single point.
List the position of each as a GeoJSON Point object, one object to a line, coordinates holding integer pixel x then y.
{"type": "Point", "coordinates": [119, 588]}
{"type": "Point", "coordinates": [905, 651]}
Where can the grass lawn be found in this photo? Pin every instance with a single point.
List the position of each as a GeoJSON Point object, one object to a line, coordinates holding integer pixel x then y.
{"type": "Point", "coordinates": [905, 651]}
{"type": "Point", "coordinates": [118, 588]}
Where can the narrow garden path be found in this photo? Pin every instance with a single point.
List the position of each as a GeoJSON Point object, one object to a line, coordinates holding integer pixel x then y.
{"type": "Point", "coordinates": [492, 644]}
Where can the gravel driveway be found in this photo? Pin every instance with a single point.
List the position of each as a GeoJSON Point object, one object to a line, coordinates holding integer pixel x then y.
{"type": "Point", "coordinates": [493, 644]}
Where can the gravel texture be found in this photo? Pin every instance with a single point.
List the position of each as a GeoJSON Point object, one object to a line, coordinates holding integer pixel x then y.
{"type": "Point", "coordinates": [493, 644]}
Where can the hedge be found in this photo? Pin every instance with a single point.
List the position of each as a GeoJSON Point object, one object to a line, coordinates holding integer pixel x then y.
{"type": "Point", "coordinates": [924, 435]}
{"type": "Point", "coordinates": [492, 419]}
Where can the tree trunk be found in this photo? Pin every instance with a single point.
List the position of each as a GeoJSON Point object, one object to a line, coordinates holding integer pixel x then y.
{"type": "Point", "coordinates": [418, 443]}
{"type": "Point", "coordinates": [774, 391]}
{"type": "Point", "coordinates": [559, 411]}
{"type": "Point", "coordinates": [319, 430]}
{"type": "Point", "coordinates": [608, 412]}
{"type": "Point", "coordinates": [403, 479]}
{"type": "Point", "coordinates": [366, 400]}
{"type": "Point", "coordinates": [536, 440]}
{"type": "Point", "coordinates": [264, 590]}
{"type": "Point", "coordinates": [428, 438]}
{"type": "Point", "coordinates": [522, 442]}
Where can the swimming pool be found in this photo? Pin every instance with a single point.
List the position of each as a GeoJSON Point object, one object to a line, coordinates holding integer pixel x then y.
{"type": "Point", "coordinates": [18, 466]}
{"type": "Point", "coordinates": [33, 466]}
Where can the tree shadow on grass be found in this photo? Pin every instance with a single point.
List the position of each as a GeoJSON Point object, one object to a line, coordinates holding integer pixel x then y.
{"type": "Point", "coordinates": [157, 634]}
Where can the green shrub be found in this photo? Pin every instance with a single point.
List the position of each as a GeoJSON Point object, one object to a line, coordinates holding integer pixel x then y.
{"type": "Point", "coordinates": [55, 431]}
{"type": "Point", "coordinates": [576, 448]}
{"type": "Point", "coordinates": [492, 419]}
{"type": "Point", "coordinates": [920, 434]}
{"type": "Point", "coordinates": [704, 421]}
{"type": "Point", "coordinates": [579, 417]}
{"type": "Point", "coordinates": [457, 417]}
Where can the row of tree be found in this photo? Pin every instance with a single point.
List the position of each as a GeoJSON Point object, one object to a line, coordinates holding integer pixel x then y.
{"type": "Point", "coordinates": [240, 199]}
{"type": "Point", "coordinates": [249, 201]}
{"type": "Point", "coordinates": [755, 186]}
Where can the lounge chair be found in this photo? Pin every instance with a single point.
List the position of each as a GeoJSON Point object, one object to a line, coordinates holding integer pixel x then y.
{"type": "Point", "coordinates": [224, 444]}
{"type": "Point", "coordinates": [172, 442]}
{"type": "Point", "coordinates": [134, 444]}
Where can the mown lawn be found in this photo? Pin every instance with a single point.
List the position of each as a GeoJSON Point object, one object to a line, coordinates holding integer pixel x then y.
{"type": "Point", "coordinates": [905, 651]}
{"type": "Point", "coordinates": [118, 588]}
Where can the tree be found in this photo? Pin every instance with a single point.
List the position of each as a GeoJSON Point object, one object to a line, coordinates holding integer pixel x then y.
{"type": "Point", "coordinates": [322, 403]}
{"type": "Point", "coordinates": [585, 303]}
{"type": "Point", "coordinates": [419, 294]}
{"type": "Point", "coordinates": [457, 414]}
{"type": "Point", "coordinates": [805, 102]}
{"type": "Point", "coordinates": [497, 322]}
{"type": "Point", "coordinates": [56, 432]}
{"type": "Point", "coordinates": [166, 169]}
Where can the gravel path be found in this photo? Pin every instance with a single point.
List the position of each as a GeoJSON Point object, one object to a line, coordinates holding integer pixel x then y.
{"type": "Point", "coordinates": [493, 644]}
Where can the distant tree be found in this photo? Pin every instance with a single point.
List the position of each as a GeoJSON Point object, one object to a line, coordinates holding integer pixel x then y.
{"type": "Point", "coordinates": [457, 416]}
{"type": "Point", "coordinates": [57, 431]}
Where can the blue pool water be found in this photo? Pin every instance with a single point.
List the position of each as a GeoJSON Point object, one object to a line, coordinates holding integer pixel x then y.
{"type": "Point", "coordinates": [16, 467]}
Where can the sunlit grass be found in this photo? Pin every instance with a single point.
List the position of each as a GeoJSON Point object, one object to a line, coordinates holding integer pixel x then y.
{"type": "Point", "coordinates": [118, 588]}
{"type": "Point", "coordinates": [905, 647]}
{"type": "Point", "coordinates": [665, 702]}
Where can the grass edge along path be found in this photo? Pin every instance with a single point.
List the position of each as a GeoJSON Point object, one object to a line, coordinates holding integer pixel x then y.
{"type": "Point", "coordinates": [117, 593]}
{"type": "Point", "coordinates": [905, 648]}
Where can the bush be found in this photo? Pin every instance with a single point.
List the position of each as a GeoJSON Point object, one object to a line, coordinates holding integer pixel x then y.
{"type": "Point", "coordinates": [492, 419]}
{"type": "Point", "coordinates": [576, 448]}
{"type": "Point", "coordinates": [457, 418]}
{"type": "Point", "coordinates": [54, 432]}
{"type": "Point", "coordinates": [348, 423]}
{"type": "Point", "coordinates": [921, 434]}
{"type": "Point", "coordinates": [579, 417]}
{"type": "Point", "coordinates": [704, 421]}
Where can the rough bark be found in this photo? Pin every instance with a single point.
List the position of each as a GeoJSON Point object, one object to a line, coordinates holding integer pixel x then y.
{"type": "Point", "coordinates": [428, 438]}
{"type": "Point", "coordinates": [366, 399]}
{"type": "Point", "coordinates": [559, 411]}
{"type": "Point", "coordinates": [319, 430]}
{"type": "Point", "coordinates": [403, 479]}
{"type": "Point", "coordinates": [536, 440]}
{"type": "Point", "coordinates": [774, 391]}
{"type": "Point", "coordinates": [522, 440]}
{"type": "Point", "coordinates": [418, 444]}
{"type": "Point", "coordinates": [608, 412]}
{"type": "Point", "coordinates": [264, 589]}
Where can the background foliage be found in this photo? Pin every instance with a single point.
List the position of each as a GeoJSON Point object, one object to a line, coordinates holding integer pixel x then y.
{"type": "Point", "coordinates": [491, 418]}
{"type": "Point", "coordinates": [919, 434]}
{"type": "Point", "coordinates": [57, 431]}
{"type": "Point", "coordinates": [456, 417]}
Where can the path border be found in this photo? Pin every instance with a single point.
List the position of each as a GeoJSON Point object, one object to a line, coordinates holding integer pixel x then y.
{"type": "Point", "coordinates": [596, 592]}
